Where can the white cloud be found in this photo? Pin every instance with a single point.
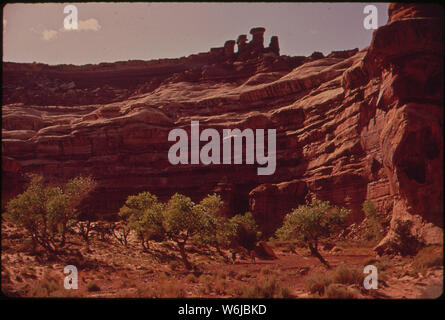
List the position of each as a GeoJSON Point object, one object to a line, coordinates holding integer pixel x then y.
{"type": "Point", "coordinates": [83, 25]}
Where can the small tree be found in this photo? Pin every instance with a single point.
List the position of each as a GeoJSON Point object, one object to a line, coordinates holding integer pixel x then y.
{"type": "Point", "coordinates": [75, 191]}
{"type": "Point", "coordinates": [47, 213]}
{"type": "Point", "coordinates": [311, 223]}
{"type": "Point", "coordinates": [217, 231]}
{"type": "Point", "coordinates": [182, 220]}
{"type": "Point", "coordinates": [143, 214]}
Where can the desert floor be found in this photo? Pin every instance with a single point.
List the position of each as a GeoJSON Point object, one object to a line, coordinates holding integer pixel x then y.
{"type": "Point", "coordinates": [110, 270]}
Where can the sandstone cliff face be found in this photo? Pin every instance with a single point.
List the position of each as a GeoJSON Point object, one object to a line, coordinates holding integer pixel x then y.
{"type": "Point", "coordinates": [407, 55]}
{"type": "Point", "coordinates": [350, 126]}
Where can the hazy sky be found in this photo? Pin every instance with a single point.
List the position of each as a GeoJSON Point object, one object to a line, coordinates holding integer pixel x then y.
{"type": "Point", "coordinates": [127, 31]}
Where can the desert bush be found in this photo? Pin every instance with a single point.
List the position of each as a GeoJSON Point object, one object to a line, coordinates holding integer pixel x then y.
{"type": "Point", "coordinates": [335, 291]}
{"type": "Point", "coordinates": [348, 275]}
{"type": "Point", "coordinates": [267, 271]}
{"type": "Point", "coordinates": [404, 241]}
{"type": "Point", "coordinates": [317, 283]}
{"type": "Point", "coordinates": [428, 257]}
{"type": "Point", "coordinates": [220, 285]}
{"type": "Point", "coordinates": [93, 287]}
{"type": "Point", "coordinates": [167, 288]}
{"type": "Point", "coordinates": [206, 282]}
{"type": "Point", "coordinates": [313, 222]}
{"type": "Point", "coordinates": [242, 274]}
{"type": "Point", "coordinates": [246, 231]}
{"type": "Point", "coordinates": [268, 287]}
{"type": "Point", "coordinates": [383, 263]}
{"type": "Point", "coordinates": [237, 289]}
{"type": "Point", "coordinates": [232, 274]}
{"type": "Point", "coordinates": [174, 265]}
{"type": "Point", "coordinates": [48, 286]}
{"type": "Point", "coordinates": [285, 293]}
{"type": "Point", "coordinates": [374, 221]}
{"type": "Point", "coordinates": [28, 245]}
{"type": "Point", "coordinates": [47, 213]}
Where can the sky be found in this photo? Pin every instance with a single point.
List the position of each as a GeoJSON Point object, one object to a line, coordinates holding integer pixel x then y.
{"type": "Point", "coordinates": [109, 32]}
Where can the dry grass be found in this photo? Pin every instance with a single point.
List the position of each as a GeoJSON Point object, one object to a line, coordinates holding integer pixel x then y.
{"type": "Point", "coordinates": [348, 275]}
{"type": "Point", "coordinates": [164, 288]}
{"type": "Point", "coordinates": [317, 283]}
{"type": "Point", "coordinates": [268, 287]}
{"type": "Point", "coordinates": [428, 257]}
{"type": "Point", "coordinates": [51, 285]}
{"type": "Point", "coordinates": [267, 271]}
{"type": "Point", "coordinates": [335, 291]}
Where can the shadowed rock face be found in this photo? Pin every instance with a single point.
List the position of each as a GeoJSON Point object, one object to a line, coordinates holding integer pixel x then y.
{"type": "Point", "coordinates": [407, 55]}
{"type": "Point", "coordinates": [351, 126]}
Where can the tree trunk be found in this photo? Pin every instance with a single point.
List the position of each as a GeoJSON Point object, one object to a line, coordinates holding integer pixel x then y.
{"type": "Point", "coordinates": [181, 246]}
{"type": "Point", "coordinates": [315, 253]}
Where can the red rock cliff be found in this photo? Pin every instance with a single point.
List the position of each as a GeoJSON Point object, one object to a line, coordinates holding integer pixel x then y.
{"type": "Point", "coordinates": [350, 126]}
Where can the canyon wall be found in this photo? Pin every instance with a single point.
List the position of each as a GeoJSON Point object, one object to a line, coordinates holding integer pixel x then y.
{"type": "Point", "coordinates": [351, 126]}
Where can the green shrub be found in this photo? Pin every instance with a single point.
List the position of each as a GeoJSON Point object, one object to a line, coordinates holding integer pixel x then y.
{"type": "Point", "coordinates": [246, 230]}
{"type": "Point", "coordinates": [374, 221]}
{"type": "Point", "coordinates": [405, 242]}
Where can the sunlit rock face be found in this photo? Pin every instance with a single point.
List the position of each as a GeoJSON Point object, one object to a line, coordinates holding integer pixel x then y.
{"type": "Point", "coordinates": [351, 126]}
